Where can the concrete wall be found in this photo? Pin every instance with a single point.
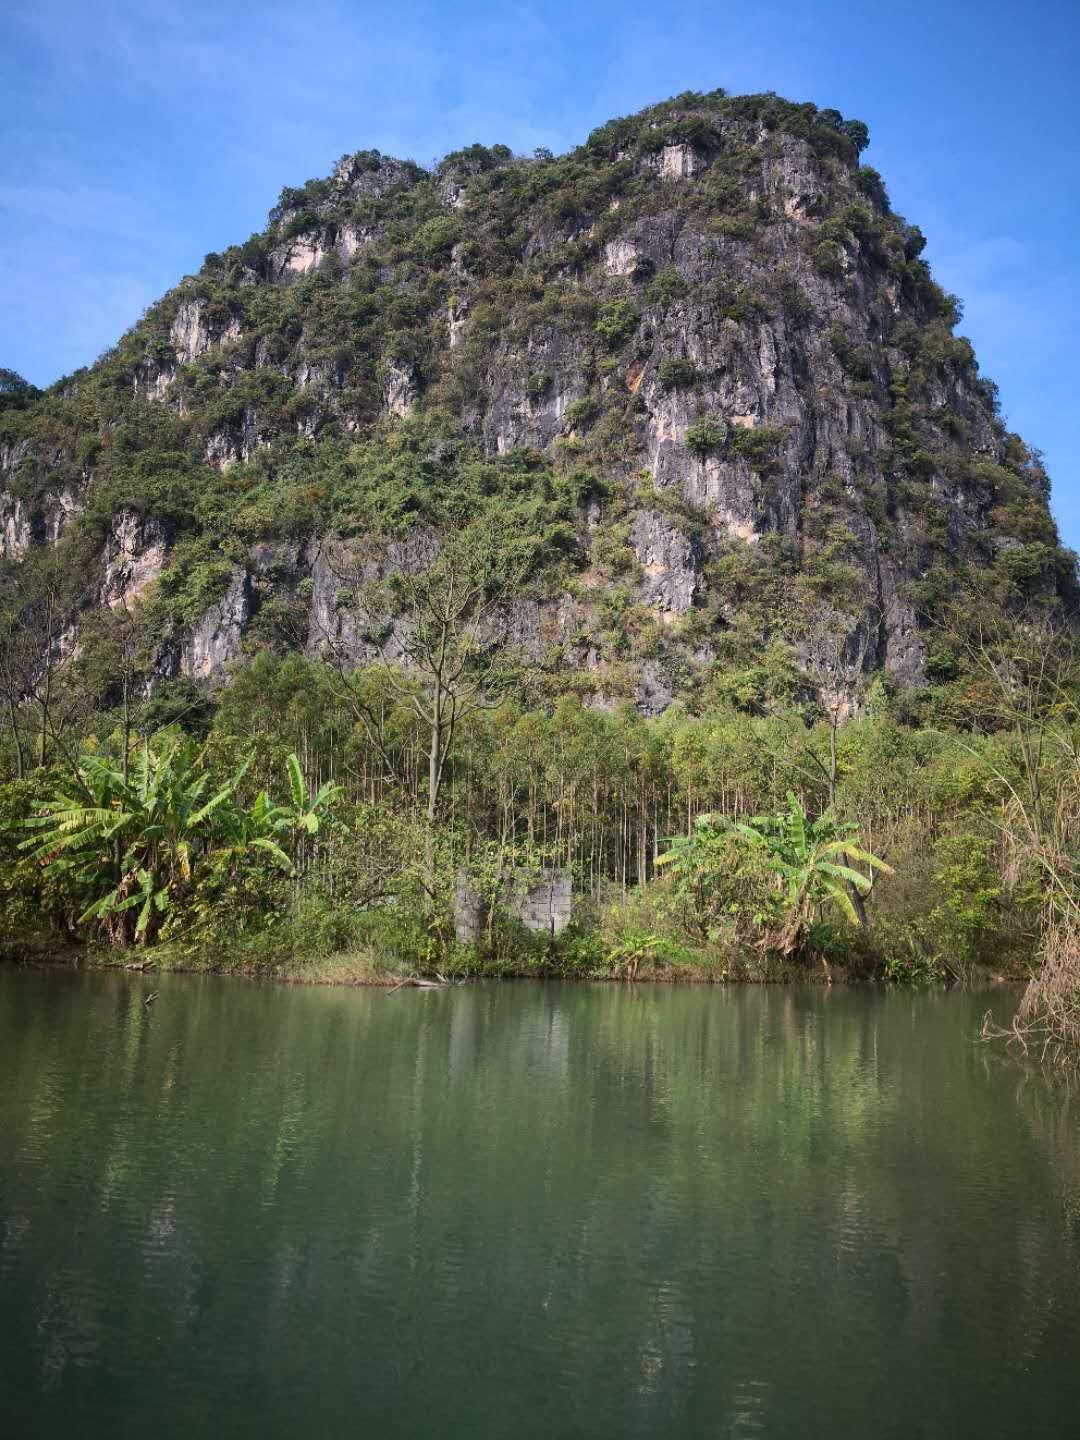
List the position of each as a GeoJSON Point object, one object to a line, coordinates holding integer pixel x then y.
{"type": "Point", "coordinates": [543, 903]}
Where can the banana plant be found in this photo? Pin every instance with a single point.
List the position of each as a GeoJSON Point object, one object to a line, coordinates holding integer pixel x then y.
{"type": "Point", "coordinates": [130, 856]}
{"type": "Point", "coordinates": [812, 861]}
{"type": "Point", "coordinates": [127, 855]}
{"type": "Point", "coordinates": [267, 824]}
{"type": "Point", "coordinates": [804, 866]}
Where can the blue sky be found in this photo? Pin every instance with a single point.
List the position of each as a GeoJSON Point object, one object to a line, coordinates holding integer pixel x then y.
{"type": "Point", "coordinates": [139, 134]}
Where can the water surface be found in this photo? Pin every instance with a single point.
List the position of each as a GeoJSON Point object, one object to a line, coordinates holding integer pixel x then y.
{"type": "Point", "coordinates": [527, 1210]}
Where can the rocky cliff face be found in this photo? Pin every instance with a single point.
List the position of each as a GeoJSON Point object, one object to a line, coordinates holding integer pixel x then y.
{"type": "Point", "coordinates": [707, 318]}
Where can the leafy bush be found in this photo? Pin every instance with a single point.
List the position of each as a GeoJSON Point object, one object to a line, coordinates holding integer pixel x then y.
{"type": "Point", "coordinates": [756, 444]}
{"type": "Point", "coordinates": [537, 385]}
{"type": "Point", "coordinates": [667, 288]}
{"type": "Point", "coordinates": [617, 322]}
{"type": "Point", "coordinates": [706, 436]}
{"type": "Point", "coordinates": [32, 902]}
{"type": "Point", "coordinates": [857, 132]}
{"type": "Point", "coordinates": [722, 889]}
{"type": "Point", "coordinates": [677, 373]}
{"type": "Point", "coordinates": [738, 302]}
{"type": "Point", "coordinates": [436, 238]}
{"type": "Point", "coordinates": [15, 392]}
{"type": "Point", "coordinates": [964, 921]}
{"type": "Point", "coordinates": [582, 412]}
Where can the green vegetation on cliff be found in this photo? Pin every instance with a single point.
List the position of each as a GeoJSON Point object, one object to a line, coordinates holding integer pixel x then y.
{"type": "Point", "coordinates": [701, 345]}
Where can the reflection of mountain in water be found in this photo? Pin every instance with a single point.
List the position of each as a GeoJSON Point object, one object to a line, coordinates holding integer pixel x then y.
{"type": "Point", "coordinates": [527, 1209]}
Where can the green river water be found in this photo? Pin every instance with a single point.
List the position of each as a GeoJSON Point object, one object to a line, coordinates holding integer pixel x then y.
{"type": "Point", "coordinates": [528, 1210]}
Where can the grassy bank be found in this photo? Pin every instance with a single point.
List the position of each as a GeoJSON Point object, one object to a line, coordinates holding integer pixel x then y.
{"type": "Point", "coordinates": [579, 958]}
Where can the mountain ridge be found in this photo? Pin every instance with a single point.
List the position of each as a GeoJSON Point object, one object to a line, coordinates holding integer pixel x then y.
{"type": "Point", "coordinates": [698, 356]}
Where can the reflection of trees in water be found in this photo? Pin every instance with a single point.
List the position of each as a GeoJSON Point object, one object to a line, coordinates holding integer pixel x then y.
{"type": "Point", "coordinates": [1052, 1112]}
{"type": "Point", "coordinates": [675, 1208]}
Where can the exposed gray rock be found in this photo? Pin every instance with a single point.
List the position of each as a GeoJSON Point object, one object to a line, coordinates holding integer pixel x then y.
{"type": "Point", "coordinates": [620, 256]}
{"type": "Point", "coordinates": [520, 626]}
{"type": "Point", "coordinates": [654, 692]}
{"type": "Point", "coordinates": [669, 562]}
{"type": "Point", "coordinates": [677, 162]}
{"type": "Point", "coordinates": [276, 558]}
{"type": "Point", "coordinates": [238, 441]}
{"type": "Point", "coordinates": [59, 512]}
{"type": "Point", "coordinates": [193, 332]}
{"type": "Point", "coordinates": [905, 649]}
{"type": "Point", "coordinates": [296, 257]}
{"type": "Point", "coordinates": [11, 457]}
{"type": "Point", "coordinates": [793, 181]}
{"type": "Point", "coordinates": [368, 175]}
{"type": "Point", "coordinates": [340, 621]}
{"type": "Point", "coordinates": [353, 239]}
{"type": "Point", "coordinates": [399, 388]}
{"type": "Point", "coordinates": [217, 637]}
{"type": "Point", "coordinates": [134, 557]}
{"type": "Point", "coordinates": [15, 531]}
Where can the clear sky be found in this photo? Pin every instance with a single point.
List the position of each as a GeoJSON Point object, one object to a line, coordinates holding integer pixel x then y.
{"type": "Point", "coordinates": [139, 134]}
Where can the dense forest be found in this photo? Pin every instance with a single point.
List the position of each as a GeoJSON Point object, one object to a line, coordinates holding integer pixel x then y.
{"type": "Point", "coordinates": [635, 512]}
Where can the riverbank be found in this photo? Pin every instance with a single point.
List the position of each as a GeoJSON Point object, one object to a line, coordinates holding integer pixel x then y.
{"type": "Point", "coordinates": [365, 968]}
{"type": "Point", "coordinates": [359, 891]}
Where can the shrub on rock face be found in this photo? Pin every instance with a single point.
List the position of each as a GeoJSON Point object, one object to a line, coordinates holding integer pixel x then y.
{"type": "Point", "coordinates": [617, 322]}
{"type": "Point", "coordinates": [15, 392]}
{"type": "Point", "coordinates": [582, 412]}
{"type": "Point", "coordinates": [677, 373]}
{"type": "Point", "coordinates": [537, 385]}
{"type": "Point", "coordinates": [857, 132]}
{"type": "Point", "coordinates": [436, 238]}
{"type": "Point", "coordinates": [706, 436]}
{"type": "Point", "coordinates": [756, 445]}
{"type": "Point", "coordinates": [667, 287]}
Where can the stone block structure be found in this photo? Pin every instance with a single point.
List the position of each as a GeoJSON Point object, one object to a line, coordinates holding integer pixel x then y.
{"type": "Point", "coordinates": [542, 902]}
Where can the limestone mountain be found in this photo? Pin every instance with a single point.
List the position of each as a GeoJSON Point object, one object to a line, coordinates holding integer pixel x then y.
{"type": "Point", "coordinates": [699, 360]}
